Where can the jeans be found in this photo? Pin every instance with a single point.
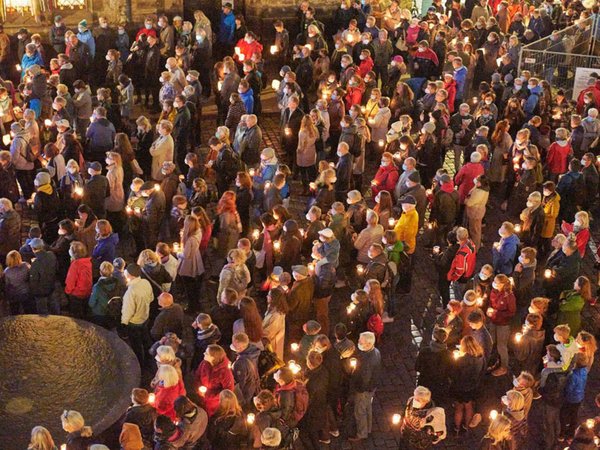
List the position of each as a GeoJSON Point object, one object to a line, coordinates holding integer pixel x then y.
{"type": "Point", "coordinates": [47, 305]}
{"type": "Point", "coordinates": [500, 335]}
{"type": "Point", "coordinates": [551, 425]}
{"type": "Point", "coordinates": [363, 413]}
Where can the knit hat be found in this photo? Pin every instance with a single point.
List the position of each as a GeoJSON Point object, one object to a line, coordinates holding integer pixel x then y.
{"type": "Point", "coordinates": [42, 178]}
{"type": "Point", "coordinates": [83, 23]}
{"type": "Point", "coordinates": [131, 437]}
{"type": "Point", "coordinates": [415, 177]}
{"type": "Point", "coordinates": [301, 270]}
{"type": "Point", "coordinates": [397, 127]}
{"type": "Point", "coordinates": [354, 197]}
{"type": "Point", "coordinates": [398, 59]}
{"type": "Point", "coordinates": [57, 18]}
{"type": "Point", "coordinates": [408, 200]}
{"type": "Point", "coordinates": [429, 127]}
{"type": "Point", "coordinates": [271, 437]}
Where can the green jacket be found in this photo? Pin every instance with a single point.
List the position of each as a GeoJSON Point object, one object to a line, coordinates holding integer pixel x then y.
{"type": "Point", "coordinates": [569, 310]}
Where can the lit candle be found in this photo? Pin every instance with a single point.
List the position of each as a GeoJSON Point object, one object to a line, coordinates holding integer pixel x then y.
{"type": "Point", "coordinates": [274, 49]}
{"type": "Point", "coordinates": [517, 228]}
{"type": "Point", "coordinates": [137, 210]}
{"type": "Point", "coordinates": [360, 269]}
{"type": "Point", "coordinates": [277, 245]}
{"type": "Point", "coordinates": [252, 172]}
{"type": "Point", "coordinates": [78, 191]}
{"type": "Point", "coordinates": [353, 363]}
{"type": "Point", "coordinates": [309, 46]}
{"type": "Point", "coordinates": [590, 423]}
{"type": "Point", "coordinates": [363, 109]}
{"type": "Point", "coordinates": [157, 187]}
{"type": "Point", "coordinates": [428, 192]}
{"type": "Point", "coordinates": [396, 418]}
{"type": "Point", "coordinates": [128, 210]}
{"type": "Point", "coordinates": [311, 267]}
{"type": "Point", "coordinates": [350, 308]}
{"type": "Point", "coordinates": [288, 131]}
{"type": "Point", "coordinates": [350, 38]}
{"type": "Point", "coordinates": [332, 165]}
{"type": "Point", "coordinates": [241, 57]}
{"type": "Point", "coordinates": [381, 142]}
{"type": "Point", "coordinates": [436, 250]}
{"type": "Point", "coordinates": [176, 247]}
{"type": "Point", "coordinates": [219, 85]}
{"type": "Point", "coordinates": [285, 288]}
{"type": "Point", "coordinates": [430, 226]}
{"type": "Point", "coordinates": [391, 222]}
{"type": "Point", "coordinates": [275, 215]}
{"type": "Point", "coordinates": [479, 301]}
{"type": "Point", "coordinates": [275, 84]}
{"type": "Point", "coordinates": [475, 100]}
{"type": "Point", "coordinates": [373, 182]}
{"type": "Point", "coordinates": [250, 418]}
{"type": "Point", "coordinates": [548, 273]}
{"type": "Point", "coordinates": [6, 139]}
{"type": "Point", "coordinates": [456, 354]}
{"type": "Point", "coordinates": [518, 337]}
{"type": "Point", "coordinates": [301, 230]}
{"type": "Point", "coordinates": [255, 234]}
{"type": "Point", "coordinates": [48, 123]}
{"type": "Point", "coordinates": [63, 447]}
{"type": "Point", "coordinates": [294, 367]}
{"type": "Point", "coordinates": [237, 51]}
{"type": "Point", "coordinates": [202, 390]}
{"type": "Point", "coordinates": [151, 398]}
{"type": "Point", "coordinates": [295, 347]}
{"type": "Point", "coordinates": [493, 414]}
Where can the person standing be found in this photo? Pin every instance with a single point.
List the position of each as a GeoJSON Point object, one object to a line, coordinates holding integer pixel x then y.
{"type": "Point", "coordinates": [501, 311]}
{"type": "Point", "coordinates": [21, 160]}
{"type": "Point", "coordinates": [78, 284]}
{"type": "Point", "coordinates": [42, 277]}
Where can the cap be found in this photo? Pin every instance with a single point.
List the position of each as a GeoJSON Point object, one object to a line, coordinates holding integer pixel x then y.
{"type": "Point", "coordinates": [42, 178]}
{"type": "Point", "coordinates": [36, 244]}
{"type": "Point", "coordinates": [119, 263]}
{"type": "Point", "coordinates": [353, 197]}
{"type": "Point", "coordinates": [193, 73]}
{"type": "Point", "coordinates": [301, 270]}
{"type": "Point", "coordinates": [133, 270]}
{"type": "Point", "coordinates": [312, 326]}
{"type": "Point", "coordinates": [227, 5]}
{"type": "Point", "coordinates": [326, 232]}
{"type": "Point", "coordinates": [408, 200]}
{"type": "Point", "coordinates": [63, 123]}
{"type": "Point", "coordinates": [16, 127]}
{"type": "Point", "coordinates": [96, 166]}
{"type": "Point", "coordinates": [415, 177]}
{"type": "Point", "coordinates": [177, 18]}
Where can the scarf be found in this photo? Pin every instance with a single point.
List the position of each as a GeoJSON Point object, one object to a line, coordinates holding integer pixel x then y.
{"type": "Point", "coordinates": [46, 189]}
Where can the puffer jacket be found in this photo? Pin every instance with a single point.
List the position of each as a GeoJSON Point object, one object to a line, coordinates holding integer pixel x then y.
{"type": "Point", "coordinates": [10, 231]}
{"type": "Point", "coordinates": [105, 249]}
{"type": "Point", "coordinates": [215, 379]}
{"type": "Point", "coordinates": [245, 374]}
{"type": "Point", "coordinates": [79, 278]}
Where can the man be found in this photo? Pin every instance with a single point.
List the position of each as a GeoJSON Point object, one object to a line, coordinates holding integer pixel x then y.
{"type": "Point", "coordinates": [177, 75]}
{"type": "Point", "coordinates": [407, 227]}
{"type": "Point", "coordinates": [181, 131]}
{"type": "Point", "coordinates": [10, 228]}
{"type": "Point", "coordinates": [252, 140]}
{"type": "Point", "coordinates": [426, 62]}
{"type": "Point", "coordinates": [167, 37]}
{"type": "Point", "coordinates": [362, 384]}
{"type": "Point", "coordinates": [416, 189]}
{"type": "Point", "coordinates": [463, 126]}
{"type": "Point", "coordinates": [42, 277]}
{"type": "Point", "coordinates": [170, 318]}
{"type": "Point", "coordinates": [343, 172]}
{"type": "Point", "coordinates": [230, 85]}
{"type": "Point", "coordinates": [325, 279]}
{"type": "Point", "coordinates": [463, 264]}
{"type": "Point", "coordinates": [383, 52]}
{"type": "Point", "coordinates": [100, 134]}
{"type": "Point", "coordinates": [226, 164]}
{"type": "Point", "coordinates": [96, 190]}
{"type": "Point", "coordinates": [18, 153]}
{"type": "Point", "coordinates": [460, 76]}
{"type": "Point", "coordinates": [590, 180]}
{"type": "Point", "coordinates": [8, 178]}
{"type": "Point", "coordinates": [136, 310]}
{"type": "Point", "coordinates": [105, 38]}
{"type": "Point", "coordinates": [253, 78]}
{"type": "Point", "coordinates": [152, 73]}
{"type": "Point", "coordinates": [57, 35]}
{"type": "Point", "coordinates": [225, 37]}
{"type": "Point", "coordinates": [433, 363]}
{"type": "Point", "coordinates": [299, 301]}
{"type": "Point", "coordinates": [82, 100]}
{"type": "Point", "coordinates": [409, 167]}
{"type": "Point", "coordinates": [225, 314]}
{"type": "Point", "coordinates": [245, 369]}
{"type": "Point", "coordinates": [153, 214]}
{"type": "Point", "coordinates": [291, 119]}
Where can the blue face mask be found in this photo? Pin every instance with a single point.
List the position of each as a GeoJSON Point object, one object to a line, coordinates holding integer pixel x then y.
{"type": "Point", "coordinates": [200, 39]}
{"type": "Point", "coordinates": [404, 167]}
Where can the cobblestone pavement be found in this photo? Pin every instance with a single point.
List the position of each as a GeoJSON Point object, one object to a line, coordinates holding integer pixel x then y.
{"type": "Point", "coordinates": [413, 326]}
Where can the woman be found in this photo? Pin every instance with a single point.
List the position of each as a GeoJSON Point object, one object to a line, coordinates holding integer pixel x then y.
{"type": "Point", "coordinates": [243, 200]}
{"type": "Point", "coordinates": [106, 288]}
{"type": "Point", "coordinates": [72, 148]}
{"type": "Point", "coordinates": [16, 284]}
{"type": "Point", "coordinates": [115, 202]}
{"type": "Point", "coordinates": [250, 322]}
{"type": "Point", "coordinates": [227, 427]}
{"type": "Point", "coordinates": [206, 227]}
{"type": "Point", "coordinates": [214, 373]}
{"type": "Point", "coordinates": [384, 209]}
{"type": "Point", "coordinates": [581, 228]}
{"type": "Point", "coordinates": [501, 142]}
{"type": "Point", "coordinates": [191, 266]}
{"type": "Point", "coordinates": [514, 408]}
{"type": "Point", "coordinates": [228, 224]}
{"type": "Point", "coordinates": [572, 303]}
{"type": "Point", "coordinates": [79, 436]}
{"type": "Point", "coordinates": [129, 164]}
{"type": "Point", "coordinates": [191, 421]}
{"type": "Point", "coordinates": [61, 247]}
{"type": "Point", "coordinates": [586, 342]}
{"type": "Point", "coordinates": [475, 204]}
{"type": "Point", "coordinates": [274, 322]}
{"type": "Point", "coordinates": [306, 153]}
{"type": "Point", "coordinates": [168, 388]}
{"type": "Point", "coordinates": [468, 364]}
{"type": "Point", "coordinates": [498, 436]}
{"type": "Point", "coordinates": [71, 189]}
{"type": "Point", "coordinates": [290, 250]}
{"type": "Point", "coordinates": [145, 138]}
{"type": "Point", "coordinates": [41, 439]}
{"type": "Point", "coordinates": [551, 205]}
{"type": "Point", "coordinates": [155, 273]}
{"type": "Point", "coordinates": [370, 235]}
{"type": "Point", "coordinates": [375, 298]}
{"type": "Point", "coordinates": [324, 195]}
{"type": "Point", "coordinates": [501, 311]}
{"type": "Point", "coordinates": [86, 227]}
{"type": "Point", "coordinates": [106, 243]}
{"type": "Point", "coordinates": [402, 100]}
{"type": "Point", "coordinates": [54, 162]}
{"type": "Point", "coordinates": [78, 285]}
{"type": "Point", "coordinates": [46, 206]}
{"type": "Point", "coordinates": [314, 421]}
{"type": "Point", "coordinates": [161, 150]}
{"type": "Point", "coordinates": [428, 154]}
{"type": "Point", "coordinates": [235, 274]}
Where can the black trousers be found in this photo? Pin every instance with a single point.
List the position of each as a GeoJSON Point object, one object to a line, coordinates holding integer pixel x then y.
{"type": "Point", "coordinates": [139, 341]}
{"type": "Point", "coordinates": [25, 179]}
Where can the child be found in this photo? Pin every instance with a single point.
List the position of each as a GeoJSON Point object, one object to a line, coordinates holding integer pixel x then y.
{"type": "Point", "coordinates": [272, 192]}
{"type": "Point", "coordinates": [284, 170]}
{"type": "Point", "coordinates": [450, 320]}
{"type": "Point", "coordinates": [194, 171]}
{"type": "Point", "coordinates": [481, 333]}
{"type": "Point", "coordinates": [247, 96]}
{"type": "Point", "coordinates": [207, 333]}
{"type": "Point", "coordinates": [469, 305]}
{"type": "Point", "coordinates": [179, 211]}
{"type": "Point", "coordinates": [311, 329]}
{"type": "Point", "coordinates": [513, 404]}
{"type": "Point", "coordinates": [565, 344]}
{"type": "Point", "coordinates": [524, 384]}
{"type": "Point", "coordinates": [524, 277]}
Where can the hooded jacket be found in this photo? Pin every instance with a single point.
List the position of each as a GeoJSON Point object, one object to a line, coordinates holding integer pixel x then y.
{"type": "Point", "coordinates": [385, 179]}
{"type": "Point", "coordinates": [529, 350]}
{"type": "Point", "coordinates": [105, 249]}
{"type": "Point", "coordinates": [79, 278]}
{"type": "Point", "coordinates": [215, 379]}
{"type": "Point", "coordinates": [504, 257]}
{"type": "Point", "coordinates": [245, 374]}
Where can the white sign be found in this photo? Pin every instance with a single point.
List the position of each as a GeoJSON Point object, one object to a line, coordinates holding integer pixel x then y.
{"type": "Point", "coordinates": [582, 75]}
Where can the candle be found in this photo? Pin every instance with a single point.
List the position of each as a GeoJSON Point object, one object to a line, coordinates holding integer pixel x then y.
{"type": "Point", "coordinates": [517, 228]}
{"type": "Point", "coordinates": [275, 84]}
{"type": "Point", "coordinates": [381, 143]}
{"type": "Point", "coordinates": [490, 311]}
{"type": "Point", "coordinates": [353, 363]}
{"type": "Point", "coordinates": [219, 85]}
{"type": "Point", "coordinates": [475, 100]}
{"type": "Point", "coordinates": [275, 215]}
{"type": "Point", "coordinates": [428, 192]}
{"type": "Point", "coordinates": [128, 210]}
{"type": "Point", "coordinates": [252, 172]}
{"type": "Point", "coordinates": [311, 267]}
{"type": "Point", "coordinates": [309, 46]}
{"type": "Point", "coordinates": [456, 354]}
{"type": "Point", "coordinates": [396, 418]}
{"type": "Point", "coordinates": [78, 191]}
{"type": "Point", "coordinates": [137, 210]}
{"type": "Point", "coordinates": [48, 123]}
{"type": "Point", "coordinates": [294, 367]}
{"type": "Point", "coordinates": [493, 414]}
{"type": "Point", "coordinates": [202, 390]}
{"type": "Point", "coordinates": [250, 418]}
{"type": "Point", "coordinates": [363, 109]}
{"type": "Point", "coordinates": [285, 288]}
{"type": "Point", "coordinates": [176, 247]}
{"type": "Point", "coordinates": [436, 249]}
{"type": "Point", "coordinates": [430, 226]}
{"type": "Point", "coordinates": [157, 187]}
{"type": "Point", "coordinates": [63, 447]}
{"type": "Point", "coordinates": [295, 347]}
{"type": "Point", "coordinates": [274, 49]}
{"type": "Point", "coordinates": [312, 185]}
{"type": "Point", "coordinates": [241, 57]}
{"type": "Point", "coordinates": [350, 308]}
{"type": "Point", "coordinates": [373, 182]}
{"type": "Point", "coordinates": [301, 230]}
{"type": "Point", "coordinates": [350, 38]}
{"type": "Point", "coordinates": [18, 67]}
{"type": "Point", "coordinates": [391, 222]}
{"type": "Point", "coordinates": [332, 165]}
{"type": "Point", "coordinates": [548, 273]}
{"type": "Point", "coordinates": [287, 131]}
{"type": "Point", "coordinates": [151, 398]}
{"type": "Point", "coordinates": [518, 337]}
{"type": "Point", "coordinates": [590, 423]}
{"type": "Point", "coordinates": [6, 139]}
{"type": "Point", "coordinates": [360, 269]}
{"type": "Point", "coordinates": [237, 51]}
{"type": "Point", "coordinates": [255, 234]}
{"type": "Point", "coordinates": [277, 245]}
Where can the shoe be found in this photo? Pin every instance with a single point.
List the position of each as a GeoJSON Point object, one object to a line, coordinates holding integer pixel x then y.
{"type": "Point", "coordinates": [537, 396]}
{"type": "Point", "coordinates": [335, 433]}
{"type": "Point", "coordinates": [355, 439]}
{"type": "Point", "coordinates": [325, 440]}
{"type": "Point", "coordinates": [386, 318]}
{"type": "Point", "coordinates": [500, 371]}
{"type": "Point", "coordinates": [475, 420]}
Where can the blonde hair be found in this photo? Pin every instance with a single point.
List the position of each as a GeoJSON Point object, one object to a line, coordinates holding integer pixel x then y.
{"type": "Point", "coordinates": [583, 218]}
{"type": "Point", "coordinates": [469, 346]}
{"type": "Point", "coordinates": [499, 430]}
{"type": "Point", "coordinates": [541, 304]}
{"type": "Point", "coordinates": [516, 401]}
{"type": "Point", "coordinates": [106, 269]}
{"type": "Point", "coordinates": [228, 404]}
{"type": "Point", "coordinates": [73, 421]}
{"type": "Point", "coordinates": [563, 331]}
{"type": "Point", "coordinates": [116, 157]}
{"type": "Point", "coordinates": [79, 249]}
{"type": "Point", "coordinates": [13, 259]}
{"type": "Point", "coordinates": [147, 256]}
{"type": "Point", "coordinates": [168, 375]}
{"type": "Point", "coordinates": [41, 439]}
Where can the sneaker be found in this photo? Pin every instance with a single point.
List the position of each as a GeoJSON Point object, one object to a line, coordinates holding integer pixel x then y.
{"type": "Point", "coordinates": [325, 440]}
{"type": "Point", "coordinates": [355, 439]}
{"type": "Point", "coordinates": [537, 396]}
{"type": "Point", "coordinates": [386, 318]}
{"type": "Point", "coordinates": [335, 433]}
{"type": "Point", "coordinates": [475, 420]}
{"type": "Point", "coordinates": [500, 371]}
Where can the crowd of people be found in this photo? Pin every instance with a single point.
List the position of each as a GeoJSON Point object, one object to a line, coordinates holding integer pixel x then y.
{"type": "Point", "coordinates": [143, 228]}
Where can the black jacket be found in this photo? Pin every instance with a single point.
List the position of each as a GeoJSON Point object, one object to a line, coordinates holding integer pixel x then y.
{"type": "Point", "coordinates": [43, 273]}
{"type": "Point", "coordinates": [317, 387]}
{"type": "Point", "coordinates": [181, 127]}
{"type": "Point", "coordinates": [10, 232]}
{"type": "Point", "coordinates": [47, 207]}
{"type": "Point", "coordinates": [533, 236]}
{"type": "Point", "coordinates": [223, 316]}
{"type": "Point", "coordinates": [142, 416]}
{"type": "Point", "coordinates": [344, 174]}
{"type": "Point", "coordinates": [433, 364]}
{"type": "Point", "coordinates": [8, 183]}
{"type": "Point", "coordinates": [366, 375]}
{"type": "Point", "coordinates": [94, 193]}
{"type": "Point", "coordinates": [80, 58]}
{"type": "Point", "coordinates": [445, 207]}
{"type": "Point", "coordinates": [152, 65]}
{"type": "Point", "coordinates": [226, 165]}
{"type": "Point", "coordinates": [154, 213]}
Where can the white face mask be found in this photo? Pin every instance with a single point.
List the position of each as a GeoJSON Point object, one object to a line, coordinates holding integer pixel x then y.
{"type": "Point", "coordinates": [62, 232]}
{"type": "Point", "coordinates": [91, 172]}
{"type": "Point", "coordinates": [72, 170]}
{"type": "Point", "coordinates": [521, 260]}
{"type": "Point", "coordinates": [556, 337]}
{"type": "Point", "coordinates": [483, 276]}
{"type": "Point", "coordinates": [495, 286]}
{"type": "Point", "coordinates": [340, 154]}
{"type": "Point", "coordinates": [530, 204]}
{"type": "Point", "coordinates": [475, 181]}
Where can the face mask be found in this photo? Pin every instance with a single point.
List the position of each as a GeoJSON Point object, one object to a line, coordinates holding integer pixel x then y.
{"type": "Point", "coordinates": [72, 170]}
{"type": "Point", "coordinates": [428, 91]}
{"type": "Point", "coordinates": [362, 57]}
{"type": "Point", "coordinates": [344, 65]}
{"type": "Point", "coordinates": [518, 87]}
{"type": "Point", "coordinates": [490, 39]}
{"type": "Point", "coordinates": [483, 276]}
{"type": "Point", "coordinates": [109, 162]}
{"type": "Point", "coordinates": [488, 102]}
{"type": "Point", "coordinates": [148, 26]}
{"type": "Point", "coordinates": [404, 167]}
{"type": "Point", "coordinates": [200, 38]}
{"type": "Point", "coordinates": [107, 57]}
{"type": "Point", "coordinates": [421, 49]}
{"type": "Point", "coordinates": [556, 337]}
{"type": "Point", "coordinates": [529, 204]}
{"type": "Point", "coordinates": [416, 404]}
{"type": "Point", "coordinates": [495, 285]}
{"type": "Point", "coordinates": [521, 260]}
{"type": "Point", "coordinates": [248, 41]}
{"type": "Point", "coordinates": [385, 163]}
{"type": "Point", "coordinates": [340, 154]}
{"type": "Point", "coordinates": [334, 97]}
{"type": "Point", "coordinates": [337, 46]}
{"type": "Point", "coordinates": [62, 232]}
{"type": "Point", "coordinates": [365, 42]}
{"type": "Point", "coordinates": [577, 224]}
{"type": "Point", "coordinates": [91, 172]}
{"type": "Point", "coordinates": [121, 31]}
{"type": "Point", "coordinates": [104, 25]}
{"type": "Point", "coordinates": [81, 30]}
{"type": "Point", "coordinates": [530, 87]}
{"type": "Point", "coordinates": [587, 101]}
{"type": "Point", "coordinates": [161, 79]}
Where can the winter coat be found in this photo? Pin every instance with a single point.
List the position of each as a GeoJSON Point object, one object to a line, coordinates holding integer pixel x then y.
{"type": "Point", "coordinates": [306, 155]}
{"type": "Point", "coordinates": [317, 386]}
{"type": "Point", "coordinates": [575, 387]}
{"type": "Point", "coordinates": [16, 281]}
{"type": "Point", "coordinates": [370, 235]}
{"type": "Point", "coordinates": [504, 305]}
{"type": "Point", "coordinates": [10, 232]}
{"type": "Point", "coordinates": [551, 209]}
{"type": "Point", "coordinates": [385, 179]}
{"type": "Point", "coordinates": [532, 231]}
{"type": "Point", "coordinates": [581, 237]}
{"type": "Point", "coordinates": [143, 416]}
{"type": "Point", "coordinates": [406, 229]}
{"type": "Point", "coordinates": [569, 310]}
{"type": "Point", "coordinates": [79, 278]}
{"type": "Point", "coordinates": [433, 364]}
{"type": "Point", "coordinates": [463, 264]}
{"type": "Point", "coordinates": [300, 301]}
{"type": "Point", "coordinates": [8, 183]}
{"type": "Point", "coordinates": [95, 192]}
{"type": "Point", "coordinates": [192, 427]}
{"type": "Point", "coordinates": [105, 249]}
{"type": "Point", "coordinates": [42, 274]}
{"type": "Point", "coordinates": [215, 379]}
{"type": "Point", "coordinates": [464, 179]}
{"type": "Point", "coordinates": [115, 201]}
{"type": "Point", "coordinates": [104, 289]}
{"type": "Point", "coordinates": [557, 158]}
{"type": "Point", "coordinates": [250, 145]}
{"type": "Point", "coordinates": [274, 330]}
{"type": "Point", "coordinates": [190, 261]}
{"type": "Point", "coordinates": [467, 367]}
{"type": "Point", "coordinates": [162, 150]}
{"type": "Point", "coordinates": [245, 374]}
{"type": "Point", "coordinates": [529, 350]}
{"type": "Point", "coordinates": [445, 208]}
{"type": "Point", "coordinates": [503, 258]}
{"type": "Point", "coordinates": [165, 399]}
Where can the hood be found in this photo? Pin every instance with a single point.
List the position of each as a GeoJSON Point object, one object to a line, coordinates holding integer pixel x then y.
{"type": "Point", "coordinates": [66, 66]}
{"type": "Point", "coordinates": [113, 239]}
{"type": "Point", "coordinates": [223, 365]}
{"type": "Point", "coordinates": [252, 352]}
{"type": "Point", "coordinates": [380, 259]}
{"type": "Point", "coordinates": [131, 437]}
{"type": "Point", "coordinates": [536, 90]}
{"type": "Point", "coordinates": [350, 129]}
{"type": "Point", "coordinates": [428, 54]}
{"type": "Point", "coordinates": [447, 187]}
{"type": "Point", "coordinates": [512, 239]}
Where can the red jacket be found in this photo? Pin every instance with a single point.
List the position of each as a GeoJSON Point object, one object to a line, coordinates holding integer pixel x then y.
{"type": "Point", "coordinates": [595, 90]}
{"type": "Point", "coordinates": [215, 379]}
{"type": "Point", "coordinates": [463, 264]}
{"type": "Point", "coordinates": [451, 89]}
{"type": "Point", "coordinates": [366, 65]}
{"type": "Point", "coordinates": [385, 179]}
{"type": "Point", "coordinates": [143, 30]}
{"type": "Point", "coordinates": [247, 50]}
{"type": "Point", "coordinates": [165, 399]}
{"type": "Point", "coordinates": [354, 95]}
{"type": "Point", "coordinates": [582, 237]}
{"type": "Point", "coordinates": [79, 278]}
{"type": "Point", "coordinates": [464, 179]}
{"type": "Point", "coordinates": [557, 158]}
{"type": "Point", "coordinates": [504, 305]}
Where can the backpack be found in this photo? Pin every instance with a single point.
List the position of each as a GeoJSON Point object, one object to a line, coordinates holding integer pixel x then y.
{"type": "Point", "coordinates": [238, 283]}
{"type": "Point", "coordinates": [471, 258]}
{"type": "Point", "coordinates": [288, 435]}
{"type": "Point", "coordinates": [300, 401]}
{"type": "Point", "coordinates": [268, 362]}
{"type": "Point", "coordinates": [113, 308]}
{"type": "Point", "coordinates": [29, 155]}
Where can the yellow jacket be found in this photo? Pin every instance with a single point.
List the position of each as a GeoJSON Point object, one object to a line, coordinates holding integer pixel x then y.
{"type": "Point", "coordinates": [551, 210]}
{"type": "Point", "coordinates": [406, 229]}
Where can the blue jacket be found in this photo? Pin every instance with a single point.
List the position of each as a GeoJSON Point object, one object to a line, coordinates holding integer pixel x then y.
{"type": "Point", "coordinates": [575, 387]}
{"type": "Point", "coordinates": [248, 99]}
{"type": "Point", "coordinates": [88, 38]}
{"type": "Point", "coordinates": [503, 258]}
{"type": "Point", "coordinates": [460, 76]}
{"type": "Point", "coordinates": [536, 25]}
{"type": "Point", "coordinates": [106, 249]}
{"type": "Point", "coordinates": [532, 101]}
{"type": "Point", "coordinates": [330, 251]}
{"type": "Point", "coordinates": [28, 61]}
{"type": "Point", "coordinates": [566, 184]}
{"type": "Point", "coordinates": [226, 29]}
